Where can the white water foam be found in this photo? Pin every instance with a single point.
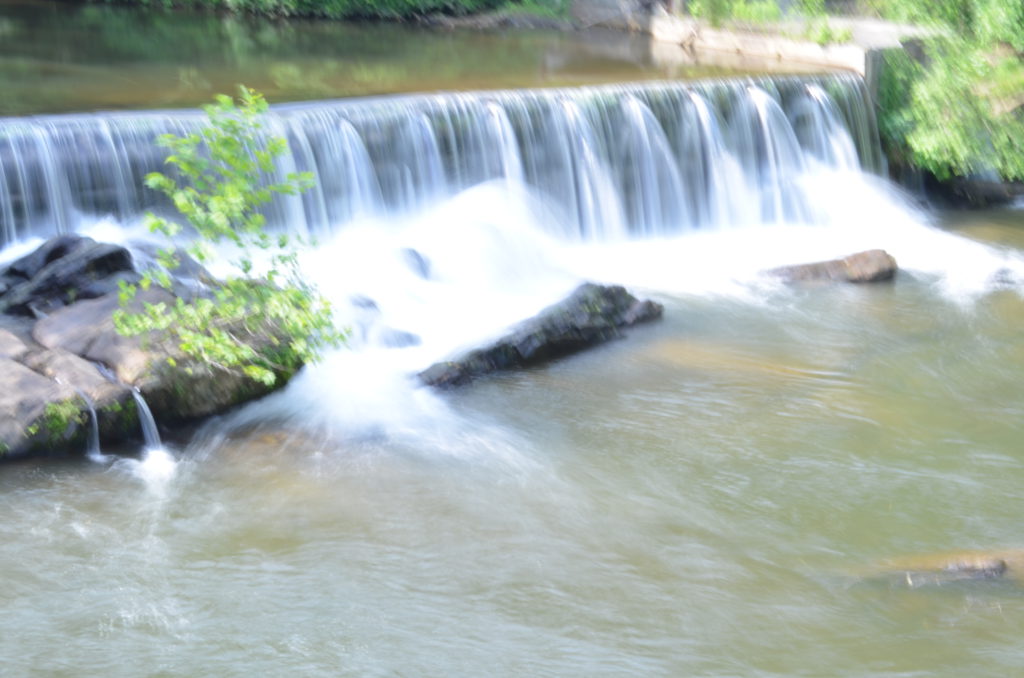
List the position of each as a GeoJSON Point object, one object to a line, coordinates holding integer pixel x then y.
{"type": "Point", "coordinates": [156, 469]}
{"type": "Point", "coordinates": [453, 276]}
{"type": "Point", "coordinates": [855, 212]}
{"type": "Point", "coordinates": [491, 264]}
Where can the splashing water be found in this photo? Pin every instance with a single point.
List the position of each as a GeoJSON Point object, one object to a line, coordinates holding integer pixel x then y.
{"type": "Point", "coordinates": [442, 220]}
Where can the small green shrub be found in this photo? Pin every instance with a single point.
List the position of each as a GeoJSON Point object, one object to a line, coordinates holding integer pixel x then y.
{"type": "Point", "coordinates": [226, 175]}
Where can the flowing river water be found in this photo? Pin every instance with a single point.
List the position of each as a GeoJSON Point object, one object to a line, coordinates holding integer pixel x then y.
{"type": "Point", "coordinates": [709, 496]}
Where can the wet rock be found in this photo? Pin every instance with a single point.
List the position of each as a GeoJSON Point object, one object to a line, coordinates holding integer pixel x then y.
{"type": "Point", "coordinates": [416, 262]}
{"type": "Point", "coordinates": [63, 271]}
{"type": "Point", "coordinates": [24, 397]}
{"type": "Point", "coordinates": [179, 392]}
{"type": "Point", "coordinates": [55, 248]}
{"type": "Point", "coordinates": [112, 283]}
{"type": "Point", "coordinates": [364, 302]}
{"type": "Point", "coordinates": [53, 369]}
{"type": "Point", "coordinates": [11, 346]}
{"type": "Point", "coordinates": [392, 338]}
{"type": "Point", "coordinates": [590, 315]}
{"type": "Point", "coordinates": [189, 277]}
{"type": "Point", "coordinates": [75, 372]}
{"type": "Point", "coordinates": [86, 329]}
{"type": "Point", "coordinates": [974, 192]}
{"type": "Point", "coordinates": [867, 266]}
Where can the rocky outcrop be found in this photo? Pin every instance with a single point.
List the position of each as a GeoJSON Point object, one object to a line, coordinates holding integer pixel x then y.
{"type": "Point", "coordinates": [53, 368]}
{"type": "Point", "coordinates": [62, 271]}
{"type": "Point", "coordinates": [590, 315]}
{"type": "Point", "coordinates": [862, 267]}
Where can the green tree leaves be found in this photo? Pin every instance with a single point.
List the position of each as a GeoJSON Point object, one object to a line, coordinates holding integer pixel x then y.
{"type": "Point", "coordinates": [960, 110]}
{"type": "Point", "coordinates": [263, 327]}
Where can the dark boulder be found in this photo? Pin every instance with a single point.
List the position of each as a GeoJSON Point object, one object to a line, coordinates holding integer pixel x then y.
{"type": "Point", "coordinates": [867, 266]}
{"type": "Point", "coordinates": [590, 315]}
{"type": "Point", "coordinates": [974, 192]}
{"type": "Point", "coordinates": [63, 271]}
{"type": "Point", "coordinates": [55, 248]}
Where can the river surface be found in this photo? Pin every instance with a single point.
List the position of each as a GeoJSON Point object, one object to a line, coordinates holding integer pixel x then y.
{"type": "Point", "coordinates": [708, 496]}
{"type": "Point", "coordinates": [700, 498]}
{"type": "Point", "coordinates": [59, 57]}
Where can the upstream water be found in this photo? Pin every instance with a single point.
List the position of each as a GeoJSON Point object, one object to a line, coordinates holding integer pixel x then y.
{"type": "Point", "coordinates": [701, 498]}
{"type": "Point", "coordinates": [65, 57]}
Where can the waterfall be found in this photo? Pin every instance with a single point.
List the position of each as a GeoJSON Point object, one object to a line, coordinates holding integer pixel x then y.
{"type": "Point", "coordinates": [92, 450]}
{"type": "Point", "coordinates": [150, 434]}
{"type": "Point", "coordinates": [612, 161]}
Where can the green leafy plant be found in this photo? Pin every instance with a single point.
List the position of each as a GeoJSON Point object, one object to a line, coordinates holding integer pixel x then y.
{"type": "Point", "coordinates": [715, 11]}
{"type": "Point", "coordinates": [261, 325]}
{"type": "Point", "coordinates": [60, 416]}
{"type": "Point", "coordinates": [756, 11]}
{"type": "Point", "coordinates": [822, 32]}
{"type": "Point", "coordinates": [956, 108]}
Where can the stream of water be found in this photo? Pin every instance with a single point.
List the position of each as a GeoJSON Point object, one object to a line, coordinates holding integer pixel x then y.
{"type": "Point", "coordinates": [705, 497]}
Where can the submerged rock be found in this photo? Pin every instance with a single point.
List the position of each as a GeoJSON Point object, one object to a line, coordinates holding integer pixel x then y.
{"type": "Point", "coordinates": [867, 266]}
{"type": "Point", "coordinates": [950, 568]}
{"type": "Point", "coordinates": [590, 315]}
{"type": "Point", "coordinates": [391, 338]}
{"type": "Point", "coordinates": [416, 262]}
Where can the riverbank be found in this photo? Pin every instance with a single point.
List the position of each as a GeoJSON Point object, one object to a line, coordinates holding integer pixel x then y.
{"type": "Point", "coordinates": [847, 44]}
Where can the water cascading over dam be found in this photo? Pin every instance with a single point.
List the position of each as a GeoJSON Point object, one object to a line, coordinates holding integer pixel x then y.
{"type": "Point", "coordinates": [711, 495]}
{"type": "Point", "coordinates": [613, 161]}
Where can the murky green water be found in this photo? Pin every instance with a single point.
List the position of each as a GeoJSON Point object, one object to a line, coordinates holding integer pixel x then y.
{"type": "Point", "coordinates": [57, 57]}
{"type": "Point", "coordinates": [700, 499]}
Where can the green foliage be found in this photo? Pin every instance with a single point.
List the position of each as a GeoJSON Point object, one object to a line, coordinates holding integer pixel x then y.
{"type": "Point", "coordinates": [811, 7]}
{"type": "Point", "coordinates": [750, 11]}
{"type": "Point", "coordinates": [226, 175]}
{"type": "Point", "coordinates": [554, 9]}
{"type": "Point", "coordinates": [756, 11]}
{"type": "Point", "coordinates": [957, 110]}
{"type": "Point", "coordinates": [58, 417]}
{"type": "Point", "coordinates": [823, 33]}
{"type": "Point", "coordinates": [333, 9]}
{"type": "Point", "coordinates": [715, 11]}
